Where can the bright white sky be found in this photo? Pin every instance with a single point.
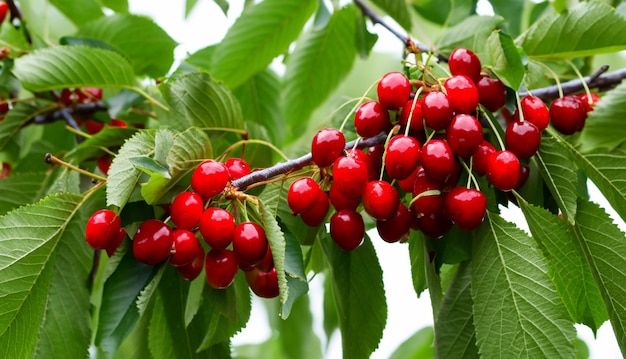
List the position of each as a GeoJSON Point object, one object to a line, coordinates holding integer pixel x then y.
{"type": "Point", "coordinates": [407, 314]}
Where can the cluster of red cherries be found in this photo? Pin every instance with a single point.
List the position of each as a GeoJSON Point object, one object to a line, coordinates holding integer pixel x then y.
{"type": "Point", "coordinates": [434, 133]}
{"type": "Point", "coordinates": [232, 246]}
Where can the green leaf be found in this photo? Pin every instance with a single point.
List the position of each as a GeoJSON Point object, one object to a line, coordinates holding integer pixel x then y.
{"type": "Point", "coordinates": [360, 297]}
{"type": "Point", "coordinates": [587, 29]}
{"type": "Point", "coordinates": [276, 240]}
{"type": "Point", "coordinates": [456, 336]}
{"type": "Point", "coordinates": [505, 59]}
{"type": "Point", "coordinates": [13, 38]}
{"type": "Point", "coordinates": [398, 10]}
{"type": "Point", "coordinates": [296, 334]}
{"type": "Point", "coordinates": [152, 53]}
{"type": "Point", "coordinates": [444, 12]}
{"type": "Point", "coordinates": [202, 58]}
{"type": "Point", "coordinates": [318, 64]}
{"type": "Point", "coordinates": [604, 248]}
{"type": "Point", "coordinates": [123, 176]}
{"type": "Point", "coordinates": [21, 188]}
{"type": "Point", "coordinates": [417, 346]}
{"type": "Point", "coordinates": [223, 4]}
{"type": "Point", "coordinates": [365, 40]}
{"type": "Point", "coordinates": [512, 11]}
{"type": "Point", "coordinates": [262, 32]}
{"type": "Point", "coordinates": [603, 127]}
{"type": "Point", "coordinates": [79, 11]}
{"type": "Point", "coordinates": [555, 165]}
{"type": "Point", "coordinates": [120, 6]}
{"type": "Point", "coordinates": [517, 311]}
{"type": "Point", "coordinates": [15, 119]}
{"type": "Point", "coordinates": [29, 238]}
{"type": "Point", "coordinates": [109, 137]}
{"type": "Point", "coordinates": [150, 166]}
{"type": "Point", "coordinates": [197, 100]}
{"type": "Point", "coordinates": [60, 67]}
{"type": "Point", "coordinates": [294, 268]}
{"type": "Point", "coordinates": [567, 266]}
{"type": "Point", "coordinates": [472, 33]}
{"type": "Point", "coordinates": [189, 5]}
{"type": "Point", "coordinates": [418, 257]}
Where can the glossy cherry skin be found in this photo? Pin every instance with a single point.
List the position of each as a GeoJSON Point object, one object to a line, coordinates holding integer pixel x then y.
{"type": "Point", "coordinates": [402, 157]}
{"type": "Point", "coordinates": [568, 114]}
{"type": "Point", "coordinates": [524, 173]}
{"type": "Point", "coordinates": [102, 228]}
{"type": "Point", "coordinates": [341, 201]}
{"type": "Point", "coordinates": [464, 135]}
{"type": "Point", "coordinates": [375, 154]}
{"type": "Point", "coordinates": [209, 178]}
{"type": "Point", "coordinates": [464, 62]}
{"type": "Point", "coordinates": [347, 229]}
{"type": "Point", "coordinates": [491, 93]}
{"type": "Point", "coordinates": [380, 200]}
{"type": "Point", "coordinates": [462, 93]}
{"type": "Point", "coordinates": [263, 284]}
{"type": "Point", "coordinates": [588, 101]}
{"type": "Point", "coordinates": [437, 159]}
{"type": "Point", "coordinates": [417, 120]}
{"type": "Point", "coordinates": [267, 263]}
{"type": "Point", "coordinates": [535, 112]}
{"type": "Point", "coordinates": [407, 184]}
{"type": "Point", "coordinates": [503, 170]}
{"type": "Point", "coordinates": [104, 163]}
{"type": "Point", "coordinates": [186, 210]}
{"type": "Point", "coordinates": [370, 119]}
{"type": "Point", "coordinates": [112, 246]}
{"type": "Point", "coordinates": [185, 247]}
{"type": "Point", "coordinates": [217, 226]}
{"type": "Point", "coordinates": [396, 227]}
{"type": "Point", "coordinates": [437, 110]}
{"type": "Point", "coordinates": [366, 159]}
{"type": "Point", "coordinates": [466, 207]}
{"type": "Point", "coordinates": [220, 267]}
{"type": "Point", "coordinates": [237, 168]}
{"type": "Point", "coordinates": [427, 194]}
{"type": "Point", "coordinates": [481, 156]}
{"type": "Point", "coordinates": [327, 145]}
{"type": "Point", "coordinates": [153, 242]}
{"type": "Point", "coordinates": [302, 194]}
{"type": "Point", "coordinates": [522, 138]}
{"type": "Point", "coordinates": [350, 176]}
{"type": "Point", "coordinates": [249, 243]}
{"type": "Point", "coordinates": [393, 90]}
{"type": "Point", "coordinates": [192, 270]}
{"type": "Point", "coordinates": [436, 224]}
{"type": "Point", "coordinates": [4, 9]}
{"type": "Point", "coordinates": [315, 215]}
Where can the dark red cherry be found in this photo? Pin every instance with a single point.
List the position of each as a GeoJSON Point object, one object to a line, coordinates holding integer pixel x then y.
{"type": "Point", "coordinates": [341, 201]}
{"type": "Point", "coordinates": [267, 263]}
{"type": "Point", "coordinates": [102, 228]}
{"type": "Point", "coordinates": [152, 242]}
{"type": "Point", "coordinates": [5, 170]}
{"type": "Point", "coordinates": [380, 200]}
{"type": "Point", "coordinates": [220, 267]}
{"type": "Point", "coordinates": [402, 156]}
{"type": "Point", "coordinates": [327, 145]}
{"type": "Point", "coordinates": [4, 9]}
{"type": "Point", "coordinates": [462, 94]}
{"type": "Point", "coordinates": [209, 178]}
{"type": "Point", "coordinates": [347, 229]}
{"type": "Point", "coordinates": [435, 224]}
{"type": "Point", "coordinates": [491, 93]}
{"type": "Point", "coordinates": [464, 62]}
{"type": "Point", "coordinates": [192, 270]}
{"type": "Point", "coordinates": [315, 215]}
{"type": "Point", "coordinates": [112, 246]}
{"type": "Point", "coordinates": [407, 184]}
{"type": "Point", "coordinates": [302, 194]}
{"type": "Point", "coordinates": [217, 226]}
{"type": "Point", "coordinates": [417, 120]}
{"type": "Point", "coordinates": [503, 170]}
{"type": "Point", "coordinates": [427, 194]}
{"type": "Point", "coordinates": [237, 168]}
{"type": "Point", "coordinates": [481, 156]}
{"type": "Point", "coordinates": [93, 126]}
{"type": "Point", "coordinates": [249, 243]}
{"type": "Point", "coordinates": [350, 176]}
{"type": "Point", "coordinates": [263, 284]}
{"type": "Point", "coordinates": [104, 163]}
{"type": "Point", "coordinates": [436, 110]}
{"type": "Point", "coordinates": [370, 119]}
{"type": "Point", "coordinates": [522, 138]}
{"type": "Point", "coordinates": [396, 227]}
{"type": "Point", "coordinates": [568, 114]}
{"type": "Point", "coordinates": [393, 90]}
{"type": "Point", "coordinates": [535, 112]}
{"type": "Point", "coordinates": [186, 210]}
{"type": "Point", "coordinates": [524, 173]}
{"type": "Point", "coordinates": [464, 135]}
{"type": "Point", "coordinates": [466, 207]}
{"type": "Point", "coordinates": [185, 247]}
{"type": "Point", "coordinates": [375, 154]}
{"type": "Point", "coordinates": [437, 159]}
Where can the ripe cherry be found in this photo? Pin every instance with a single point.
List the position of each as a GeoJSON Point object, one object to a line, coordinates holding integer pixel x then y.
{"type": "Point", "coordinates": [237, 168]}
{"type": "Point", "coordinates": [462, 93]}
{"type": "Point", "coordinates": [524, 173]}
{"type": "Point", "coordinates": [436, 110]}
{"type": "Point", "coordinates": [315, 215]}
{"type": "Point", "coordinates": [464, 62]}
{"type": "Point", "coordinates": [263, 284]}
{"type": "Point", "coordinates": [302, 194]}
{"type": "Point", "coordinates": [185, 247]}
{"type": "Point", "coordinates": [393, 90]}
{"type": "Point", "coordinates": [396, 227]}
{"type": "Point", "coordinates": [464, 135]}
{"type": "Point", "coordinates": [365, 158]}
{"type": "Point", "coordinates": [186, 210]}
{"type": "Point", "coordinates": [267, 263]}
{"type": "Point", "coordinates": [249, 243]}
{"type": "Point", "coordinates": [466, 207]}
{"type": "Point", "coordinates": [327, 145]}
{"type": "Point", "coordinates": [481, 156]}
{"type": "Point", "coordinates": [427, 195]}
{"type": "Point", "coordinates": [153, 241]}
{"type": "Point", "coordinates": [503, 170]}
{"type": "Point", "coordinates": [4, 9]}
{"type": "Point", "coordinates": [88, 94]}
{"type": "Point", "coordinates": [347, 229]}
{"type": "Point", "coordinates": [417, 120]}
{"type": "Point", "coordinates": [491, 93]}
{"type": "Point", "coordinates": [209, 178]}
{"type": "Point", "coordinates": [370, 119]}
{"type": "Point", "coordinates": [220, 267]}
{"type": "Point", "coordinates": [380, 200]}
{"type": "Point", "coordinates": [568, 114]}
{"type": "Point", "coordinates": [93, 126]}
{"type": "Point", "coordinates": [375, 154]}
{"type": "Point", "coordinates": [588, 101]}
{"type": "Point", "coordinates": [350, 176]}
{"type": "Point", "coordinates": [407, 184]}
{"type": "Point", "coordinates": [341, 201]}
{"type": "Point", "coordinates": [217, 227]}
{"type": "Point", "coordinates": [435, 224]}
{"type": "Point", "coordinates": [402, 156]}
{"type": "Point", "coordinates": [192, 270]}
{"type": "Point", "coordinates": [437, 159]}
{"type": "Point", "coordinates": [112, 246]}
{"type": "Point", "coordinates": [102, 228]}
{"type": "Point", "coordinates": [535, 112]}
{"type": "Point", "coordinates": [5, 171]}
{"type": "Point", "coordinates": [522, 138]}
{"type": "Point", "coordinates": [104, 163]}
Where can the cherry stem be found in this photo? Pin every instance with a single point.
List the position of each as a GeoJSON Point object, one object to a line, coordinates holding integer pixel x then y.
{"type": "Point", "coordinates": [356, 105]}
{"type": "Point", "coordinates": [260, 142]}
{"type": "Point", "coordinates": [492, 124]}
{"type": "Point", "coordinates": [582, 81]}
{"type": "Point", "coordinates": [408, 122]}
{"type": "Point", "coordinates": [518, 102]}
{"type": "Point", "coordinates": [393, 132]}
{"type": "Point", "coordinates": [601, 80]}
{"type": "Point", "coordinates": [50, 158]}
{"type": "Point", "coordinates": [470, 175]}
{"type": "Point", "coordinates": [554, 76]}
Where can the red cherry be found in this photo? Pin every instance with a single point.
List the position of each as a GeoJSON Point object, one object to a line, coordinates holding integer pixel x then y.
{"type": "Point", "coordinates": [407, 184]}
{"type": "Point", "coordinates": [462, 93]}
{"type": "Point", "coordinates": [4, 8]}
{"type": "Point", "coordinates": [436, 224]}
{"type": "Point", "coordinates": [315, 215]}
{"type": "Point", "coordinates": [186, 210]}
{"type": "Point", "coordinates": [192, 270]}
{"type": "Point", "coordinates": [370, 119]}
{"type": "Point", "coordinates": [481, 156]}
{"type": "Point", "coordinates": [491, 93]}
{"type": "Point", "coordinates": [375, 154]}
{"type": "Point", "coordinates": [341, 201]}
{"type": "Point", "coordinates": [217, 226]}
{"type": "Point", "coordinates": [589, 102]}
{"type": "Point", "coordinates": [267, 263]}
{"type": "Point", "coordinates": [535, 112]}
{"type": "Point", "coordinates": [88, 94]}
{"type": "Point", "coordinates": [4, 104]}
{"type": "Point", "coordinates": [402, 157]}
{"type": "Point", "coordinates": [522, 138]}
{"type": "Point", "coordinates": [209, 178]}
{"type": "Point", "coordinates": [220, 267]}
{"type": "Point", "coordinates": [112, 246]}
{"type": "Point", "coordinates": [380, 200]}
{"type": "Point", "coordinates": [503, 170]}
{"type": "Point", "coordinates": [393, 90]}
{"type": "Point", "coordinates": [350, 176]}
{"type": "Point", "coordinates": [436, 110]}
{"type": "Point", "coordinates": [427, 195]}
{"type": "Point", "coordinates": [102, 228]}
{"type": "Point", "coordinates": [464, 135]}
{"type": "Point", "coordinates": [153, 241]}
{"type": "Point", "coordinates": [302, 194]}
{"type": "Point", "coordinates": [464, 62]}
{"type": "Point", "coordinates": [417, 120]}
{"type": "Point", "coordinates": [237, 168]}
{"type": "Point", "coordinates": [104, 163]}
{"type": "Point", "coordinates": [347, 229]}
{"type": "Point", "coordinates": [466, 207]}
{"type": "Point", "coordinates": [117, 123]}
{"type": "Point", "coordinates": [437, 159]}
{"type": "Point", "coordinates": [93, 126]}
{"type": "Point", "coordinates": [568, 114]}
{"type": "Point", "coordinates": [396, 227]}
{"type": "Point", "coordinates": [327, 145]}
{"type": "Point", "coordinates": [6, 170]}
{"type": "Point", "coordinates": [263, 284]}
{"type": "Point", "coordinates": [249, 243]}
{"type": "Point", "coordinates": [524, 173]}
{"type": "Point", "coordinates": [185, 247]}
{"type": "Point", "coordinates": [365, 158]}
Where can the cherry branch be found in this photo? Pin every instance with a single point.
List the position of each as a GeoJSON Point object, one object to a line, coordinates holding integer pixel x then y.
{"type": "Point", "coordinates": [83, 110]}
